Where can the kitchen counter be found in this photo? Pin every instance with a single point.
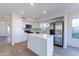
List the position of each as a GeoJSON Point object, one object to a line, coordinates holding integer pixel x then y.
{"type": "Point", "coordinates": [44, 36]}
{"type": "Point", "coordinates": [41, 44]}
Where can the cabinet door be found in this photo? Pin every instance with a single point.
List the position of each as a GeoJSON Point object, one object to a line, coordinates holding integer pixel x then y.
{"type": "Point", "coordinates": [36, 25]}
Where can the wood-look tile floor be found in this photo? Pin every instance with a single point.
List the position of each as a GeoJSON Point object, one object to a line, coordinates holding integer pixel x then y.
{"type": "Point", "coordinates": [69, 51]}
{"type": "Point", "coordinates": [17, 50]}
{"type": "Point", "coordinates": [22, 50]}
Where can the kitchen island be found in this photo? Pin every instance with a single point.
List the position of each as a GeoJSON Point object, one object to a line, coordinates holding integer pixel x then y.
{"type": "Point", "coordinates": [41, 44]}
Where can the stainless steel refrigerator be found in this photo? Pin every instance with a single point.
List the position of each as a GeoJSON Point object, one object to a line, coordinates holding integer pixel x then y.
{"type": "Point", "coordinates": [59, 33]}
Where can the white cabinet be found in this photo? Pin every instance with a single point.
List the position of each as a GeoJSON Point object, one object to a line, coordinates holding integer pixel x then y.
{"type": "Point", "coordinates": [25, 36]}
{"type": "Point", "coordinates": [36, 25]}
{"type": "Point", "coordinates": [41, 44]}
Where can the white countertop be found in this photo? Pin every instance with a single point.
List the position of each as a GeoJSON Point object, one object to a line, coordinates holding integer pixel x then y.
{"type": "Point", "coordinates": [44, 36]}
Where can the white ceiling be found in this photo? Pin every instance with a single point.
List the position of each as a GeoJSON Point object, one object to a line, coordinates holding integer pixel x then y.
{"type": "Point", "coordinates": [36, 10]}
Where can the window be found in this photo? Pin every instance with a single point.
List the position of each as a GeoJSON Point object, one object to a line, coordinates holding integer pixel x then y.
{"type": "Point", "coordinates": [75, 28]}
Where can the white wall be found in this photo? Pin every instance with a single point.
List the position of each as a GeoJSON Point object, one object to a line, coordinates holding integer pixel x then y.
{"type": "Point", "coordinates": [66, 33]}
{"type": "Point", "coordinates": [17, 29]}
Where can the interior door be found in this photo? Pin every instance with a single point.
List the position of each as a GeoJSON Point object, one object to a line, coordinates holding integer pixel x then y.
{"type": "Point", "coordinates": [59, 33]}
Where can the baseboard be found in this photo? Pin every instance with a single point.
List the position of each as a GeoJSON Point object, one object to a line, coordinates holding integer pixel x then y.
{"type": "Point", "coordinates": [20, 42]}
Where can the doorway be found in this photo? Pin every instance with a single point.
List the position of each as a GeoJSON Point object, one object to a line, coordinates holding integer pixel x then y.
{"type": "Point", "coordinates": [3, 32]}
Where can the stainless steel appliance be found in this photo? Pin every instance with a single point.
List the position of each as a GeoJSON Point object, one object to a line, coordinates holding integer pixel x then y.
{"type": "Point", "coordinates": [59, 33]}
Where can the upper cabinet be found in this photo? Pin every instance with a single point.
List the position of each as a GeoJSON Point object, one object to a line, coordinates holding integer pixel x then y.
{"type": "Point", "coordinates": [36, 25]}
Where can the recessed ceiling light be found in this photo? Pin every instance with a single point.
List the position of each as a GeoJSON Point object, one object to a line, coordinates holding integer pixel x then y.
{"type": "Point", "coordinates": [44, 12]}
{"type": "Point", "coordinates": [2, 22]}
{"type": "Point", "coordinates": [32, 4]}
{"type": "Point", "coordinates": [22, 12]}
{"type": "Point", "coordinates": [34, 16]}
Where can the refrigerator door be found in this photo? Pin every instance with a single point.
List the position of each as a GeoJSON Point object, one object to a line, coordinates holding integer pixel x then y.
{"type": "Point", "coordinates": [58, 33]}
